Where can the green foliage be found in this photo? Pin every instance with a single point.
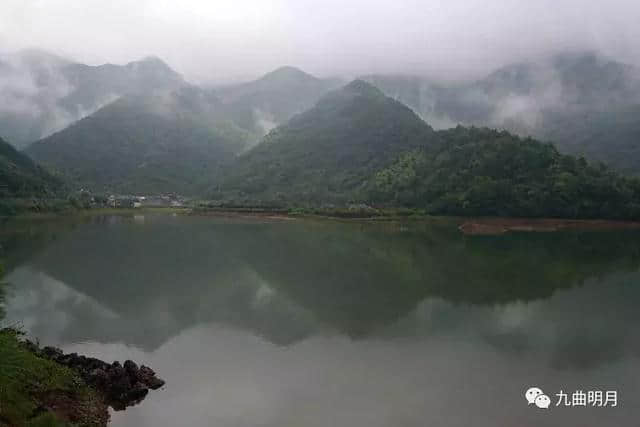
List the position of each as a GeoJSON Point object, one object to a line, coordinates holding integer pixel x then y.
{"type": "Point", "coordinates": [274, 98]}
{"type": "Point", "coordinates": [328, 153]}
{"type": "Point", "coordinates": [20, 177]}
{"type": "Point", "coordinates": [609, 136]}
{"type": "Point", "coordinates": [86, 88]}
{"type": "Point", "coordinates": [25, 378]}
{"type": "Point", "coordinates": [156, 143]}
{"type": "Point", "coordinates": [585, 104]}
{"type": "Point", "coordinates": [486, 172]}
{"type": "Point", "coordinates": [2, 293]}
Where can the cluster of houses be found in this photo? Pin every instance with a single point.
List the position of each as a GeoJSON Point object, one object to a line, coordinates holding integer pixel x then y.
{"type": "Point", "coordinates": [127, 201]}
{"type": "Point", "coordinates": [87, 199]}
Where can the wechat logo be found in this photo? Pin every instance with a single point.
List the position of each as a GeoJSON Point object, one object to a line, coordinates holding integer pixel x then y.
{"type": "Point", "coordinates": [536, 396]}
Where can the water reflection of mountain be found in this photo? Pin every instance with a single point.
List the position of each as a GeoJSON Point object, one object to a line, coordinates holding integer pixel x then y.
{"type": "Point", "coordinates": [156, 276]}
{"type": "Point", "coordinates": [21, 239]}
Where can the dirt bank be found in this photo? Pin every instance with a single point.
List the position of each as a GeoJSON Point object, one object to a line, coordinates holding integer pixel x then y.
{"type": "Point", "coordinates": [492, 226]}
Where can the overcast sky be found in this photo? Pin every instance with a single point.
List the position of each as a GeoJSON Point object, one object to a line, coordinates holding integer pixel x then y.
{"type": "Point", "coordinates": [221, 40]}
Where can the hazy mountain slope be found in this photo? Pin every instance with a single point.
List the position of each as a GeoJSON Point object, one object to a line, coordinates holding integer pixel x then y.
{"type": "Point", "coordinates": [612, 137]}
{"type": "Point", "coordinates": [261, 105]}
{"type": "Point", "coordinates": [43, 93]}
{"type": "Point", "coordinates": [22, 177]}
{"type": "Point", "coordinates": [572, 99]}
{"type": "Point", "coordinates": [487, 172]}
{"type": "Point", "coordinates": [161, 142]}
{"type": "Point", "coordinates": [328, 152]}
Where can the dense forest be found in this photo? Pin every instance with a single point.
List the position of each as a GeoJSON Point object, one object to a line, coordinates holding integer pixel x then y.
{"type": "Point", "coordinates": [22, 177]}
{"type": "Point", "coordinates": [326, 154]}
{"type": "Point", "coordinates": [359, 146]}
{"type": "Point", "coordinates": [585, 103]}
{"type": "Point", "coordinates": [355, 146]}
{"type": "Point", "coordinates": [158, 143]}
{"type": "Point", "coordinates": [487, 172]}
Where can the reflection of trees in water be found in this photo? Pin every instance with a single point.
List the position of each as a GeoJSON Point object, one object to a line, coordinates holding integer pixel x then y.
{"type": "Point", "coordinates": [2, 292]}
{"type": "Point", "coordinates": [358, 278]}
{"type": "Point", "coordinates": [286, 280]}
{"type": "Point", "coordinates": [22, 239]}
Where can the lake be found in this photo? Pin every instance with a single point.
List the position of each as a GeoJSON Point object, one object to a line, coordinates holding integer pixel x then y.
{"type": "Point", "coordinates": [324, 323]}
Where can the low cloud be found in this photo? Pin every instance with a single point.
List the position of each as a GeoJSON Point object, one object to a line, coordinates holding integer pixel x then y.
{"type": "Point", "coordinates": [234, 40]}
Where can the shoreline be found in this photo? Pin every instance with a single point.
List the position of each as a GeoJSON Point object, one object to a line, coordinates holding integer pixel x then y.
{"type": "Point", "coordinates": [467, 225]}
{"type": "Point", "coordinates": [497, 226]}
{"type": "Point", "coordinates": [56, 388]}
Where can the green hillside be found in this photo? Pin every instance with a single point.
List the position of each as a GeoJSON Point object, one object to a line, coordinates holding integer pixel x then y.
{"type": "Point", "coordinates": [260, 105]}
{"type": "Point", "coordinates": [43, 93]}
{"type": "Point", "coordinates": [157, 143]}
{"type": "Point", "coordinates": [487, 172]}
{"type": "Point", "coordinates": [328, 153]}
{"type": "Point", "coordinates": [21, 177]}
{"type": "Point", "coordinates": [584, 103]}
{"type": "Point", "coordinates": [612, 136]}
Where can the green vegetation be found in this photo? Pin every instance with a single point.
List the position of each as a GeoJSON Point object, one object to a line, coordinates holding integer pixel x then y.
{"type": "Point", "coordinates": [326, 154]}
{"type": "Point", "coordinates": [273, 99]}
{"type": "Point", "coordinates": [55, 92]}
{"type": "Point", "coordinates": [584, 103]}
{"type": "Point", "coordinates": [29, 386]}
{"type": "Point", "coordinates": [20, 177]}
{"type": "Point", "coordinates": [486, 172]}
{"type": "Point", "coordinates": [157, 143]}
{"type": "Point", "coordinates": [25, 186]}
{"type": "Point", "coordinates": [354, 149]}
{"type": "Point", "coordinates": [358, 147]}
{"type": "Point", "coordinates": [2, 291]}
{"type": "Point", "coordinates": [164, 135]}
{"type": "Point", "coordinates": [608, 136]}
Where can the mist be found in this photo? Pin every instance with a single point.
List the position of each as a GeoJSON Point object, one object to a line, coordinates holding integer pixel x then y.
{"type": "Point", "coordinates": [227, 41]}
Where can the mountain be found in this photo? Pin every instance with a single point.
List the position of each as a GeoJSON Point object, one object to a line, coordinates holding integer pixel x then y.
{"type": "Point", "coordinates": [261, 105]}
{"type": "Point", "coordinates": [171, 141]}
{"type": "Point", "coordinates": [44, 93]}
{"type": "Point", "coordinates": [572, 99]}
{"type": "Point", "coordinates": [20, 177]}
{"type": "Point", "coordinates": [493, 173]}
{"type": "Point", "coordinates": [329, 152]}
{"type": "Point", "coordinates": [612, 137]}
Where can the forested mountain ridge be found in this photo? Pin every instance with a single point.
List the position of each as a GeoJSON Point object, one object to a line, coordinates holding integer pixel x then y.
{"type": "Point", "coordinates": [359, 146]}
{"type": "Point", "coordinates": [573, 99]}
{"type": "Point", "coordinates": [166, 126]}
{"type": "Point", "coordinates": [494, 173]}
{"type": "Point", "coordinates": [259, 106]}
{"type": "Point", "coordinates": [22, 177]}
{"type": "Point", "coordinates": [171, 141]}
{"type": "Point", "coordinates": [326, 153]}
{"type": "Point", "coordinates": [44, 93]}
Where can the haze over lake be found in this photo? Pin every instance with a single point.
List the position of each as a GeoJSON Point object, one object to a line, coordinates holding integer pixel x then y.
{"type": "Point", "coordinates": [323, 323]}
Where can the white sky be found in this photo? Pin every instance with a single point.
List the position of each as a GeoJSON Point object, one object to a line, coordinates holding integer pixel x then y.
{"type": "Point", "coordinates": [221, 40]}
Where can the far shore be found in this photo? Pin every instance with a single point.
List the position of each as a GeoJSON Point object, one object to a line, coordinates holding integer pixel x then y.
{"type": "Point", "coordinates": [466, 225]}
{"type": "Point", "coordinates": [492, 226]}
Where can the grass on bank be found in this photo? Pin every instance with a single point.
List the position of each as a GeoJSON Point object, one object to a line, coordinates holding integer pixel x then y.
{"type": "Point", "coordinates": [30, 386]}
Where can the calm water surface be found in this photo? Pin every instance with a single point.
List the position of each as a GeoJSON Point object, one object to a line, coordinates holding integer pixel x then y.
{"type": "Point", "coordinates": [316, 324]}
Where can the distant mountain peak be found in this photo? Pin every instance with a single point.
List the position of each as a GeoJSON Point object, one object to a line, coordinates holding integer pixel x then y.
{"type": "Point", "coordinates": [362, 88]}
{"type": "Point", "coordinates": [152, 63]}
{"type": "Point", "coordinates": [38, 57]}
{"type": "Point", "coordinates": [354, 92]}
{"type": "Point", "coordinates": [153, 70]}
{"type": "Point", "coordinates": [286, 74]}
